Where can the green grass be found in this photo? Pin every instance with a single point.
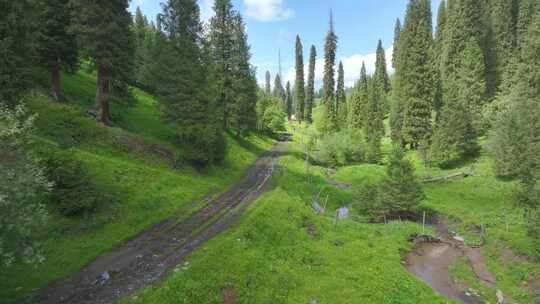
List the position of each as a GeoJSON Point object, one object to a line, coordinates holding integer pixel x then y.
{"type": "Point", "coordinates": [282, 252]}
{"type": "Point", "coordinates": [143, 187]}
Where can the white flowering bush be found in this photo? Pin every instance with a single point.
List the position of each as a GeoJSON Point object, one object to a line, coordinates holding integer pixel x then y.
{"type": "Point", "coordinates": [23, 186]}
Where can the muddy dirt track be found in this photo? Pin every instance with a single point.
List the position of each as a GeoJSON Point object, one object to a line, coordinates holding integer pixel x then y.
{"type": "Point", "coordinates": [148, 257]}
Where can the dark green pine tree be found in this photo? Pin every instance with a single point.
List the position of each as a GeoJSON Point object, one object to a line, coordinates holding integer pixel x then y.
{"type": "Point", "coordinates": [437, 58]}
{"type": "Point", "coordinates": [381, 72]}
{"type": "Point", "coordinates": [17, 48]}
{"type": "Point", "coordinates": [464, 81]}
{"type": "Point", "coordinates": [268, 84]}
{"type": "Point", "coordinates": [299, 82]}
{"type": "Point", "coordinates": [222, 45]}
{"type": "Point", "coordinates": [381, 76]}
{"type": "Point", "coordinates": [374, 126]}
{"type": "Point", "coordinates": [143, 33]}
{"type": "Point", "coordinates": [515, 140]}
{"type": "Point", "coordinates": [57, 44]}
{"type": "Point", "coordinates": [288, 100]}
{"type": "Point", "coordinates": [359, 102]}
{"type": "Point", "coordinates": [103, 27]}
{"type": "Point", "coordinates": [329, 123]}
{"type": "Point", "coordinates": [279, 91]}
{"type": "Point", "coordinates": [504, 28]}
{"type": "Point", "coordinates": [242, 115]}
{"type": "Point", "coordinates": [187, 94]}
{"type": "Point", "coordinates": [310, 89]}
{"type": "Point", "coordinates": [526, 11]}
{"type": "Point", "coordinates": [414, 76]}
{"type": "Point", "coordinates": [341, 98]}
{"type": "Point", "coordinates": [397, 34]}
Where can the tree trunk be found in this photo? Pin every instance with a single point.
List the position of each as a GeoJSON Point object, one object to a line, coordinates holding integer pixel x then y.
{"type": "Point", "coordinates": [56, 86]}
{"type": "Point", "coordinates": [100, 110]}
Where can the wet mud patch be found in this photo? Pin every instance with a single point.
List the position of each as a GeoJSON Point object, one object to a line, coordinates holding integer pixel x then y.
{"type": "Point", "coordinates": [432, 258]}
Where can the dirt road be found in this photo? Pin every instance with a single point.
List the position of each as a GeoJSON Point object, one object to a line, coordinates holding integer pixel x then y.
{"type": "Point", "coordinates": [148, 257]}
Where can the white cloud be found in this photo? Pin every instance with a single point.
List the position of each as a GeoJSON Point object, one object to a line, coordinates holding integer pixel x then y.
{"type": "Point", "coordinates": [207, 10]}
{"type": "Point", "coordinates": [267, 10]}
{"type": "Point", "coordinates": [351, 65]}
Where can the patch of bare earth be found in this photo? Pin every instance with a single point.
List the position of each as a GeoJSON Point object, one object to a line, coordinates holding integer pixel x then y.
{"type": "Point", "coordinates": [229, 296]}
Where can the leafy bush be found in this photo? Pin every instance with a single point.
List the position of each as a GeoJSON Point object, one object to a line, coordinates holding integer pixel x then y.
{"type": "Point", "coordinates": [23, 185]}
{"type": "Point", "coordinates": [274, 119]}
{"type": "Point", "coordinates": [339, 148]}
{"type": "Point", "coordinates": [399, 194]}
{"type": "Point", "coordinates": [74, 193]}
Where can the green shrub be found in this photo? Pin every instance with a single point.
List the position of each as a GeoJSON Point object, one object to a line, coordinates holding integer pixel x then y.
{"type": "Point", "coordinates": [74, 192]}
{"type": "Point", "coordinates": [23, 186]}
{"type": "Point", "coordinates": [274, 119]}
{"type": "Point", "coordinates": [399, 194]}
{"type": "Point", "coordinates": [339, 149]}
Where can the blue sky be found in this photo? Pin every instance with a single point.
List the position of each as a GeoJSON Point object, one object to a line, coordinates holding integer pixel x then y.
{"type": "Point", "coordinates": [273, 25]}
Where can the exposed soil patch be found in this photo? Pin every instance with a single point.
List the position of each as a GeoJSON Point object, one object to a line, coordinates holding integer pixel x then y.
{"type": "Point", "coordinates": [229, 296]}
{"type": "Point", "coordinates": [148, 257]}
{"type": "Point", "coordinates": [432, 257]}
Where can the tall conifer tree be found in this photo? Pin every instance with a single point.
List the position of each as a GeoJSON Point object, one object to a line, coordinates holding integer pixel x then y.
{"type": "Point", "coordinates": [188, 98]}
{"type": "Point", "coordinates": [17, 48]}
{"type": "Point", "coordinates": [299, 83]}
{"type": "Point", "coordinates": [222, 45]}
{"type": "Point", "coordinates": [381, 72]}
{"type": "Point", "coordinates": [104, 31]}
{"type": "Point", "coordinates": [310, 89]}
{"type": "Point", "coordinates": [437, 58]}
{"type": "Point", "coordinates": [504, 27]}
{"type": "Point", "coordinates": [397, 34]}
{"type": "Point", "coordinates": [341, 98]}
{"type": "Point", "coordinates": [288, 100]}
{"type": "Point", "coordinates": [57, 44]}
{"type": "Point", "coordinates": [464, 80]}
{"type": "Point", "coordinates": [242, 116]}
{"type": "Point", "coordinates": [374, 127]}
{"type": "Point", "coordinates": [359, 101]}
{"type": "Point", "coordinates": [414, 76]}
{"type": "Point", "coordinates": [267, 84]}
{"type": "Point", "coordinates": [329, 100]}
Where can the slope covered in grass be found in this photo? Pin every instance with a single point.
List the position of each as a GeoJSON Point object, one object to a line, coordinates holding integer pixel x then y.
{"type": "Point", "coordinates": [283, 253]}
{"type": "Point", "coordinates": [134, 165]}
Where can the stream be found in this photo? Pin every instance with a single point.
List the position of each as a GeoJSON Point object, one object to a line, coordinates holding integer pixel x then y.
{"type": "Point", "coordinates": [430, 262]}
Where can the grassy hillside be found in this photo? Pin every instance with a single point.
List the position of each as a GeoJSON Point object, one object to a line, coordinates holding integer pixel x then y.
{"type": "Point", "coordinates": [133, 165]}
{"type": "Point", "coordinates": [283, 253]}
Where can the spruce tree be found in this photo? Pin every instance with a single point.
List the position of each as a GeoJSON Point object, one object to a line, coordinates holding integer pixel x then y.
{"type": "Point", "coordinates": [57, 44]}
{"type": "Point", "coordinates": [288, 100]}
{"type": "Point", "coordinates": [143, 43]}
{"type": "Point", "coordinates": [382, 78]}
{"type": "Point", "coordinates": [374, 126]}
{"type": "Point", "coordinates": [504, 27]}
{"type": "Point", "coordinates": [414, 76]}
{"type": "Point", "coordinates": [17, 48]}
{"type": "Point", "coordinates": [187, 95]}
{"type": "Point", "coordinates": [341, 98]}
{"type": "Point", "coordinates": [267, 84]}
{"type": "Point", "coordinates": [299, 83]}
{"type": "Point", "coordinates": [397, 34]}
{"type": "Point", "coordinates": [310, 89]}
{"type": "Point", "coordinates": [222, 45]}
{"type": "Point", "coordinates": [381, 73]}
{"type": "Point", "coordinates": [359, 101]}
{"type": "Point", "coordinates": [242, 115]}
{"type": "Point", "coordinates": [464, 80]}
{"type": "Point", "coordinates": [515, 140]}
{"type": "Point", "coordinates": [279, 92]}
{"type": "Point", "coordinates": [329, 100]}
{"type": "Point", "coordinates": [103, 27]}
{"type": "Point", "coordinates": [437, 58]}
